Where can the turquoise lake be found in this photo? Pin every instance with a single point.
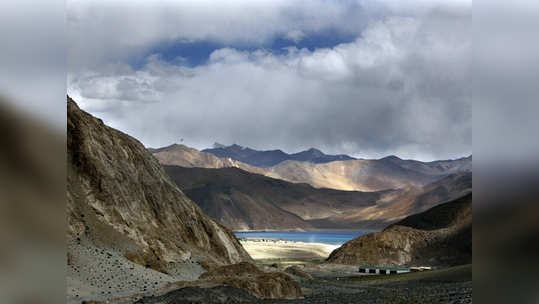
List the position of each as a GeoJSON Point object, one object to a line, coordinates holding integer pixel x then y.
{"type": "Point", "coordinates": [325, 237]}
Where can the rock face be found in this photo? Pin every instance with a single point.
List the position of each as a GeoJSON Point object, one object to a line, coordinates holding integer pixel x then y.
{"type": "Point", "coordinates": [121, 206]}
{"type": "Point", "coordinates": [273, 285]}
{"type": "Point", "coordinates": [440, 236]}
{"type": "Point", "coordinates": [243, 269]}
{"type": "Point", "coordinates": [244, 276]}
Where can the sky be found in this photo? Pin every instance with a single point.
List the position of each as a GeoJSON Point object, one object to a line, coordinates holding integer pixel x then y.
{"type": "Point", "coordinates": [364, 78]}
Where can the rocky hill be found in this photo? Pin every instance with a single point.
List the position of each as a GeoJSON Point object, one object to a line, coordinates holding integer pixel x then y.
{"type": "Point", "coordinates": [440, 236]}
{"type": "Point", "coordinates": [245, 201]}
{"type": "Point", "coordinates": [130, 228]}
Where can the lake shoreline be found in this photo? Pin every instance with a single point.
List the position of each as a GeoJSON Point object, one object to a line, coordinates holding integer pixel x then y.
{"type": "Point", "coordinates": [278, 250]}
{"type": "Point", "coordinates": [309, 230]}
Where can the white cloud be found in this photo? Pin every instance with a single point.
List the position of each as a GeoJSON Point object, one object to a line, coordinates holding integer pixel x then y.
{"type": "Point", "coordinates": [402, 87]}
{"type": "Point", "coordinates": [104, 31]}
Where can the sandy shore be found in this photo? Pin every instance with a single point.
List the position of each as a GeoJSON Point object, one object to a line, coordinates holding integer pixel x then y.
{"type": "Point", "coordinates": [269, 249]}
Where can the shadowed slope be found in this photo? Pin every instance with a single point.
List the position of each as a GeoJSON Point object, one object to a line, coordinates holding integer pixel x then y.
{"type": "Point", "coordinates": [246, 201]}
{"type": "Point", "coordinates": [441, 236]}
{"type": "Point", "coordinates": [242, 200]}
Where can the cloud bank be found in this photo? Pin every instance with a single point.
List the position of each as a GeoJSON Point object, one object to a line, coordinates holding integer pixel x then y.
{"type": "Point", "coordinates": [403, 86]}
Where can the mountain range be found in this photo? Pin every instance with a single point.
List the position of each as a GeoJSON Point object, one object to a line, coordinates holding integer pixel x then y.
{"type": "Point", "coordinates": [245, 201]}
{"type": "Point", "coordinates": [271, 158]}
{"type": "Point", "coordinates": [352, 174]}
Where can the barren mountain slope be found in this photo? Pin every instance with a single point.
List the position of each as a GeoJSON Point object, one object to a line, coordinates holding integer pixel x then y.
{"type": "Point", "coordinates": [242, 200]}
{"type": "Point", "coordinates": [360, 175]}
{"type": "Point", "coordinates": [130, 228]}
{"type": "Point", "coordinates": [401, 203]}
{"type": "Point", "coordinates": [181, 155]}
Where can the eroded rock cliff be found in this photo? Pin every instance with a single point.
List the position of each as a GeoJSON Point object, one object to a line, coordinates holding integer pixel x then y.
{"type": "Point", "coordinates": [125, 215]}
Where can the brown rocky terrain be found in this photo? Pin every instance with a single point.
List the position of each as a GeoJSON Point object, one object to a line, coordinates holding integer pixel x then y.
{"type": "Point", "coordinates": [440, 236]}
{"type": "Point", "coordinates": [236, 278]}
{"type": "Point", "coordinates": [130, 228]}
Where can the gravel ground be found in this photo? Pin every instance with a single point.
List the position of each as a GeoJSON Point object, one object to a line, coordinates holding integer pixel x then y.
{"type": "Point", "coordinates": [452, 285]}
{"type": "Point", "coordinates": [324, 292]}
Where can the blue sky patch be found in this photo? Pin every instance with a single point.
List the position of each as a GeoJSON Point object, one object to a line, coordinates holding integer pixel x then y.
{"type": "Point", "coordinates": [198, 52]}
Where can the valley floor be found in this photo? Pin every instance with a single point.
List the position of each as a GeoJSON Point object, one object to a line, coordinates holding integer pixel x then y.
{"type": "Point", "coordinates": [451, 285]}
{"type": "Point", "coordinates": [342, 284]}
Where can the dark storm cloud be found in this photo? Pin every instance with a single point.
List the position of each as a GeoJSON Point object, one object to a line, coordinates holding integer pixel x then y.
{"type": "Point", "coordinates": [402, 87]}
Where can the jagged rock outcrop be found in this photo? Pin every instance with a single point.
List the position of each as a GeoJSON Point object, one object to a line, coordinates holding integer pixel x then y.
{"type": "Point", "coordinates": [243, 269]}
{"type": "Point", "coordinates": [242, 276]}
{"type": "Point", "coordinates": [124, 211]}
{"type": "Point", "coordinates": [440, 236]}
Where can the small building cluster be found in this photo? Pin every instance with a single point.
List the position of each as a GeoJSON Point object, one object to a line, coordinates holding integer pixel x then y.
{"type": "Point", "coordinates": [382, 270]}
{"type": "Point", "coordinates": [369, 269]}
